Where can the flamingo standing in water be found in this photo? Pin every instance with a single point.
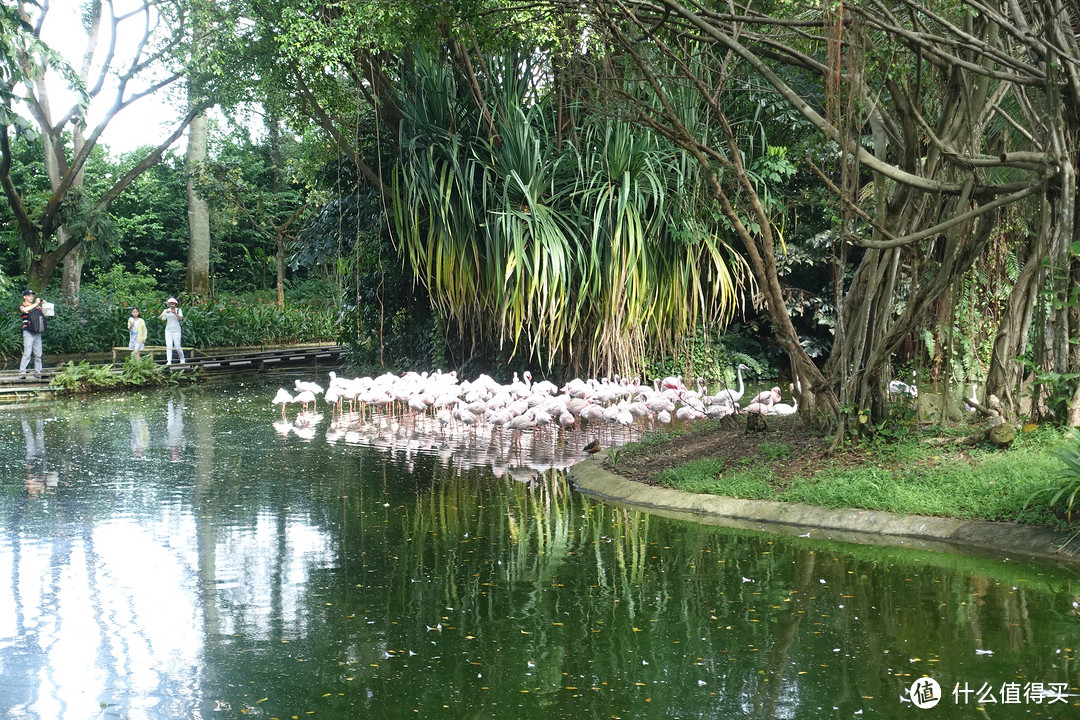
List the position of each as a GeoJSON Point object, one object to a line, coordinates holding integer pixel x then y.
{"type": "Point", "coordinates": [304, 397]}
{"type": "Point", "coordinates": [281, 398]}
{"type": "Point", "coordinates": [310, 387]}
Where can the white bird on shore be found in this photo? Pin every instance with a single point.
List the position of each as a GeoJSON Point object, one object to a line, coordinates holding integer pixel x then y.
{"type": "Point", "coordinates": [768, 397]}
{"type": "Point", "coordinates": [896, 387]}
{"type": "Point", "coordinates": [783, 409]}
{"type": "Point", "coordinates": [730, 396]}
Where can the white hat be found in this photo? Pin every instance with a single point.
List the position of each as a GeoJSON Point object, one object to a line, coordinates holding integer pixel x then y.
{"type": "Point", "coordinates": [172, 301]}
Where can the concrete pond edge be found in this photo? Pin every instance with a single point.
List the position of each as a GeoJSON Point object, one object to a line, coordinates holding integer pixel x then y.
{"type": "Point", "coordinates": [938, 534]}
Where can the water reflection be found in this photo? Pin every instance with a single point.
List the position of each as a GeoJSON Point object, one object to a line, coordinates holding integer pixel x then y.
{"type": "Point", "coordinates": [267, 575]}
{"type": "Point", "coordinates": [521, 455]}
{"type": "Point", "coordinates": [140, 435]}
{"type": "Point", "coordinates": [38, 475]}
{"type": "Point", "coordinates": [174, 427]}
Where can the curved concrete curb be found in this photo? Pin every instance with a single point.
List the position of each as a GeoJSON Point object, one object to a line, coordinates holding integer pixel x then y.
{"type": "Point", "coordinates": [850, 525]}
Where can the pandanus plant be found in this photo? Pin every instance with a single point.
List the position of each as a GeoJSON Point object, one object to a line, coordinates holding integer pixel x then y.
{"type": "Point", "coordinates": [587, 251]}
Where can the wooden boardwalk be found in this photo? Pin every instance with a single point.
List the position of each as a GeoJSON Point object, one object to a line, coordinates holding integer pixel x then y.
{"type": "Point", "coordinates": [263, 359]}
{"type": "Point", "coordinates": [16, 387]}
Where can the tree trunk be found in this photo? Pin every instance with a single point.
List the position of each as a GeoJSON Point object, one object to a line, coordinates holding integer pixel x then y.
{"type": "Point", "coordinates": [71, 280]}
{"type": "Point", "coordinates": [198, 268]}
{"type": "Point", "coordinates": [1005, 373]}
{"type": "Point", "coordinates": [41, 271]}
{"type": "Point", "coordinates": [279, 243]}
{"type": "Point", "coordinates": [274, 136]}
{"type": "Point", "coordinates": [1073, 414]}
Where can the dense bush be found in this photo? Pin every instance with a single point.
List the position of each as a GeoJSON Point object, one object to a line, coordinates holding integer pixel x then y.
{"type": "Point", "coordinates": [218, 323]}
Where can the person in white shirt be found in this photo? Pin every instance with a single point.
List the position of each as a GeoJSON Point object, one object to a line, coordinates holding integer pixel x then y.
{"type": "Point", "coordinates": [172, 315]}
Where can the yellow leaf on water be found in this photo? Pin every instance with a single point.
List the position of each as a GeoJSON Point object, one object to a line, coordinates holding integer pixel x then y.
{"type": "Point", "coordinates": [261, 701]}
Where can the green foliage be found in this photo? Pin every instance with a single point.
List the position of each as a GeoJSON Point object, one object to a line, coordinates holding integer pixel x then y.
{"type": "Point", "coordinates": [137, 289]}
{"type": "Point", "coordinates": [84, 377]}
{"type": "Point", "coordinates": [900, 425]}
{"type": "Point", "coordinates": [151, 227]}
{"type": "Point", "coordinates": [773, 452]}
{"type": "Point", "coordinates": [910, 477]}
{"type": "Point", "coordinates": [11, 337]}
{"type": "Point", "coordinates": [97, 324]}
{"type": "Point", "coordinates": [706, 470]}
{"type": "Point", "coordinates": [1059, 389]}
{"type": "Point", "coordinates": [575, 257]}
{"type": "Point", "coordinates": [709, 354]}
{"type": "Point", "coordinates": [143, 371]}
{"type": "Point", "coordinates": [708, 476]}
{"type": "Point", "coordinates": [224, 323]}
{"type": "Point", "coordinates": [614, 455]}
{"type": "Point", "coordinates": [1064, 490]}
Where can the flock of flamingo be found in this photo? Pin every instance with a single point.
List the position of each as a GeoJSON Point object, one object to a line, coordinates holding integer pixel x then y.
{"type": "Point", "coordinates": [525, 405]}
{"type": "Point", "coordinates": [534, 422]}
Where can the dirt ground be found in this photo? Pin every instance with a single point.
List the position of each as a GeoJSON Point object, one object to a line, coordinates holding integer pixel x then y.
{"type": "Point", "coordinates": [731, 443]}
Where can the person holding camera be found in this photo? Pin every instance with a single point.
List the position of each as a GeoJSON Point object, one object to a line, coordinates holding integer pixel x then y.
{"type": "Point", "coordinates": [172, 315]}
{"type": "Point", "coordinates": [33, 327]}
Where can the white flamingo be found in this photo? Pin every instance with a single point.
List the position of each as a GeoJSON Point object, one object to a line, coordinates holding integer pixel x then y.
{"type": "Point", "coordinates": [768, 397]}
{"type": "Point", "coordinates": [311, 387]}
{"type": "Point", "coordinates": [783, 408]}
{"type": "Point", "coordinates": [304, 397]}
{"type": "Point", "coordinates": [281, 398]}
{"type": "Point", "coordinates": [728, 396]}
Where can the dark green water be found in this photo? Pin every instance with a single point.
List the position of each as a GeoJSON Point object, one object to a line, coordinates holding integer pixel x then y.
{"type": "Point", "coordinates": [173, 556]}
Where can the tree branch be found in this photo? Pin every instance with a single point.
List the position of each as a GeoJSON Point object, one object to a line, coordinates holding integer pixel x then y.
{"type": "Point", "coordinates": [27, 230]}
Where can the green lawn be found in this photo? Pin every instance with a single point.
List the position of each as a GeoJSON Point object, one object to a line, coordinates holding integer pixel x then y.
{"type": "Point", "coordinates": [909, 477]}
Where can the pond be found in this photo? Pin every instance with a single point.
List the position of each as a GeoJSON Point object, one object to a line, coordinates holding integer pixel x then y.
{"type": "Point", "coordinates": [173, 555]}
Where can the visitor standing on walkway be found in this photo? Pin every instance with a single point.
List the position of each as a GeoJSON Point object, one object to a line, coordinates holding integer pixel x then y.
{"type": "Point", "coordinates": [33, 327]}
{"type": "Point", "coordinates": [136, 332]}
{"type": "Point", "coordinates": [172, 315]}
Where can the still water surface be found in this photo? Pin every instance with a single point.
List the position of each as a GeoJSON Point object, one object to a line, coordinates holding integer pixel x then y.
{"type": "Point", "coordinates": [174, 556]}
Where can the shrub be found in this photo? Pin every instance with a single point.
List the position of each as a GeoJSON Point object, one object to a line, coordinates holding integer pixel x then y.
{"type": "Point", "coordinates": [218, 323]}
{"type": "Point", "coordinates": [1066, 486]}
{"type": "Point", "coordinates": [84, 376]}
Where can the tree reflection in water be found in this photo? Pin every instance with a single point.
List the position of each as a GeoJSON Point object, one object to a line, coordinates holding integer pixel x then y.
{"type": "Point", "coordinates": [270, 576]}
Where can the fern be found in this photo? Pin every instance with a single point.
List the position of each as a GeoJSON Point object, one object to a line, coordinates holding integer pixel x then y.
{"type": "Point", "coordinates": [931, 344]}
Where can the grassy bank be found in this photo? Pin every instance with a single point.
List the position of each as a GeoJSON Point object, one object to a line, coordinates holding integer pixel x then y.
{"type": "Point", "coordinates": [910, 476]}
